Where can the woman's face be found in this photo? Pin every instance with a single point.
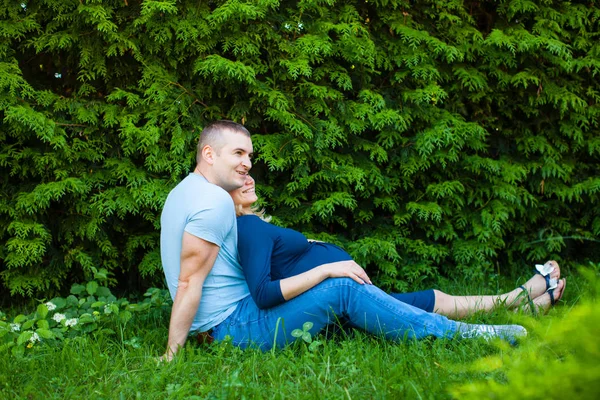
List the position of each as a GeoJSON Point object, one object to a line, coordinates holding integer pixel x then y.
{"type": "Point", "coordinates": [245, 196]}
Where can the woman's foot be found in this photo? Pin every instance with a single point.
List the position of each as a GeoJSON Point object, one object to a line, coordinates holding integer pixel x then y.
{"type": "Point", "coordinates": [537, 285]}
{"type": "Point", "coordinates": [543, 302]}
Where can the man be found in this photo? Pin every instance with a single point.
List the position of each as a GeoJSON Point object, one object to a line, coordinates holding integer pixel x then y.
{"type": "Point", "coordinates": [200, 260]}
{"type": "Point", "coordinates": [199, 236]}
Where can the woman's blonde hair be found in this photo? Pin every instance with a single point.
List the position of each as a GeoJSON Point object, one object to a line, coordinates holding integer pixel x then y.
{"type": "Point", "coordinates": [254, 210]}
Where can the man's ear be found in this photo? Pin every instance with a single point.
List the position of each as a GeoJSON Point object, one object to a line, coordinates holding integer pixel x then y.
{"type": "Point", "coordinates": [208, 154]}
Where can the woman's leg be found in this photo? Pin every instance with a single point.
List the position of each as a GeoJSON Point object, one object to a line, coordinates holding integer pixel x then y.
{"type": "Point", "coordinates": [464, 306]}
{"type": "Point", "coordinates": [365, 306]}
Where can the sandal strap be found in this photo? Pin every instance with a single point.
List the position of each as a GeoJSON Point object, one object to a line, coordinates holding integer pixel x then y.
{"type": "Point", "coordinates": [551, 293]}
{"type": "Point", "coordinates": [545, 270]}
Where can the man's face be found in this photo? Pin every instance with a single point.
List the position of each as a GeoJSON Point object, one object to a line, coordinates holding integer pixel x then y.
{"type": "Point", "coordinates": [232, 161]}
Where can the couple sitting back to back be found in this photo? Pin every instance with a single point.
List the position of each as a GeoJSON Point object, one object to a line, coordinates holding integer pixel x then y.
{"type": "Point", "coordinates": [279, 280]}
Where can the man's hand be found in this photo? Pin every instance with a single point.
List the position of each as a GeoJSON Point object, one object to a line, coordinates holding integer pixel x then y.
{"type": "Point", "coordinates": [167, 357]}
{"type": "Point", "coordinates": [197, 259]}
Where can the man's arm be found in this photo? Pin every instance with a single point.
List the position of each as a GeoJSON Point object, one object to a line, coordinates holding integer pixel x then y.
{"type": "Point", "coordinates": [197, 259]}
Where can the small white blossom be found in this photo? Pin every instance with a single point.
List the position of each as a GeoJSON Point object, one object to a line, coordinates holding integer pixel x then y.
{"type": "Point", "coordinates": [51, 306]}
{"type": "Point", "coordinates": [58, 317]}
{"type": "Point", "coordinates": [15, 327]}
{"type": "Point", "coordinates": [34, 338]}
{"type": "Point", "coordinates": [107, 309]}
{"type": "Point", "coordinates": [71, 322]}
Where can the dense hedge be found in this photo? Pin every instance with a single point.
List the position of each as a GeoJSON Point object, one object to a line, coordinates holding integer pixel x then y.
{"type": "Point", "coordinates": [426, 137]}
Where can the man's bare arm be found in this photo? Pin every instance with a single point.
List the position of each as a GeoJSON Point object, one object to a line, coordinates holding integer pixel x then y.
{"type": "Point", "coordinates": [197, 259]}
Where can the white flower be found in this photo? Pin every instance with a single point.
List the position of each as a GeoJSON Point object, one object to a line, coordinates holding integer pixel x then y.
{"type": "Point", "coordinates": [71, 322]}
{"type": "Point", "coordinates": [51, 306]}
{"type": "Point", "coordinates": [58, 317]}
{"type": "Point", "coordinates": [107, 309]}
{"type": "Point", "coordinates": [15, 327]}
{"type": "Point", "coordinates": [34, 338]}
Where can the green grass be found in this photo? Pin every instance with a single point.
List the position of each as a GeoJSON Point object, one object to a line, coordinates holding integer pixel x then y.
{"type": "Point", "coordinates": [122, 365]}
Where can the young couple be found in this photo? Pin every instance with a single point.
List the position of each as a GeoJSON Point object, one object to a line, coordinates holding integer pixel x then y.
{"type": "Point", "coordinates": [256, 282]}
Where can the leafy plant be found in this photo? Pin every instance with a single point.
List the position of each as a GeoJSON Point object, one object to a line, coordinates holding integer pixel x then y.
{"type": "Point", "coordinates": [566, 347]}
{"type": "Point", "coordinates": [306, 336]}
{"type": "Point", "coordinates": [89, 309]}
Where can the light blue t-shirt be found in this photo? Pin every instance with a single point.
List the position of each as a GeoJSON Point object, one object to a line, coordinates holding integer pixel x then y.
{"type": "Point", "coordinates": [205, 211]}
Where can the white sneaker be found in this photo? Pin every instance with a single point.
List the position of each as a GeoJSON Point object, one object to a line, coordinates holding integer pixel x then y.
{"type": "Point", "coordinates": [510, 333]}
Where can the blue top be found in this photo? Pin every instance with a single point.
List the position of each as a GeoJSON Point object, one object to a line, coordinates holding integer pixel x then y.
{"type": "Point", "coordinates": [269, 253]}
{"type": "Point", "coordinates": [205, 211]}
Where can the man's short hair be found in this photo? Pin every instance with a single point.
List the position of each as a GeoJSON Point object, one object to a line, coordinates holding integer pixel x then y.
{"type": "Point", "coordinates": [212, 135]}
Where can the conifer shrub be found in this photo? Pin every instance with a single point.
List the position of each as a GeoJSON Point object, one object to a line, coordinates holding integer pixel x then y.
{"type": "Point", "coordinates": [426, 137]}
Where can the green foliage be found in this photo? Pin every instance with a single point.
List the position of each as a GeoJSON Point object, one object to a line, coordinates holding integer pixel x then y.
{"type": "Point", "coordinates": [566, 348]}
{"type": "Point", "coordinates": [89, 309]}
{"type": "Point", "coordinates": [306, 336]}
{"type": "Point", "coordinates": [426, 137]}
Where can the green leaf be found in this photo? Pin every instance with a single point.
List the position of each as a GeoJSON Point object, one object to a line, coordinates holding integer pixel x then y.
{"type": "Point", "coordinates": [72, 301]}
{"type": "Point", "coordinates": [42, 311]}
{"type": "Point", "coordinates": [59, 302]}
{"type": "Point", "coordinates": [306, 336]}
{"type": "Point", "coordinates": [125, 316]}
{"type": "Point", "coordinates": [91, 287]}
{"type": "Point", "coordinates": [28, 324]}
{"type": "Point", "coordinates": [103, 291]}
{"type": "Point", "coordinates": [85, 318]}
{"type": "Point", "coordinates": [23, 337]}
{"type": "Point", "coordinates": [101, 275]}
{"type": "Point", "coordinates": [45, 333]}
{"type": "Point", "coordinates": [314, 345]}
{"type": "Point", "coordinates": [307, 326]}
{"type": "Point", "coordinates": [43, 324]}
{"type": "Point", "coordinates": [77, 289]}
{"type": "Point", "coordinates": [297, 333]}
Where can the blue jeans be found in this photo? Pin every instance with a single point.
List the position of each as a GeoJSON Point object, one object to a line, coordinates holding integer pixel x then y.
{"type": "Point", "coordinates": [364, 306]}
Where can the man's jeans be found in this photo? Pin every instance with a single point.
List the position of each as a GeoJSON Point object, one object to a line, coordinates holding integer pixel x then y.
{"type": "Point", "coordinates": [364, 306]}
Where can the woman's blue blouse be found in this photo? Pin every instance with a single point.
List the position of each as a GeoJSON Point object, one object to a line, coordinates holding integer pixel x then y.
{"type": "Point", "coordinates": [269, 253]}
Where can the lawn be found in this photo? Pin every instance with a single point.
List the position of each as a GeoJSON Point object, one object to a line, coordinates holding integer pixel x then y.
{"type": "Point", "coordinates": [559, 359]}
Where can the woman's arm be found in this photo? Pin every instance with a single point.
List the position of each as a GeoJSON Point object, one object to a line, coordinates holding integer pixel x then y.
{"type": "Point", "coordinates": [298, 284]}
{"type": "Point", "coordinates": [255, 248]}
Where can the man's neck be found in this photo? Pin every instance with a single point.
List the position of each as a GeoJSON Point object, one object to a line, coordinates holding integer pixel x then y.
{"type": "Point", "coordinates": [203, 173]}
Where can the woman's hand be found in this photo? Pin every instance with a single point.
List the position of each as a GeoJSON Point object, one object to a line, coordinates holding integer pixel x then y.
{"type": "Point", "coordinates": [295, 285]}
{"type": "Point", "coordinates": [346, 269]}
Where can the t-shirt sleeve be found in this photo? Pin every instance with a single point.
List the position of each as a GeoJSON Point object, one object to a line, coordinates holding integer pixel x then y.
{"type": "Point", "coordinates": [255, 247]}
{"type": "Point", "coordinates": [212, 224]}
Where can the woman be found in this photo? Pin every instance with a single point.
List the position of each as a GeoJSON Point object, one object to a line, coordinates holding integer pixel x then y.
{"type": "Point", "coordinates": [280, 264]}
{"type": "Point", "coordinates": [310, 297]}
